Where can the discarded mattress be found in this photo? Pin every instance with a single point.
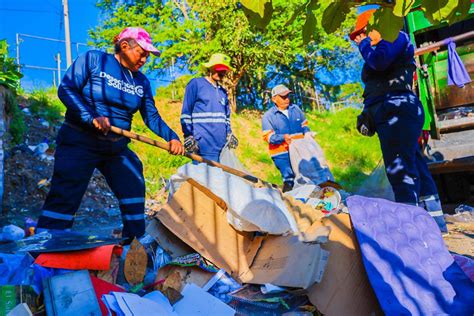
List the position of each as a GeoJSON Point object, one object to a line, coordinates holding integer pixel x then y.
{"type": "Point", "coordinates": [250, 208]}
{"type": "Point", "coordinates": [409, 267]}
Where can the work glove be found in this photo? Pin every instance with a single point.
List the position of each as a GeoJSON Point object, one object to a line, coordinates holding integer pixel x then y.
{"type": "Point", "coordinates": [191, 145]}
{"type": "Point", "coordinates": [232, 141]}
{"type": "Point", "coordinates": [366, 123]}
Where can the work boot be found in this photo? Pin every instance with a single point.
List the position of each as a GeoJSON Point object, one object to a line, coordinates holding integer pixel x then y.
{"type": "Point", "coordinates": [288, 186]}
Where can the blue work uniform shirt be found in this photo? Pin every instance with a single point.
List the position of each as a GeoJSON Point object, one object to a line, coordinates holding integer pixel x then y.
{"type": "Point", "coordinates": [206, 115]}
{"type": "Point", "coordinates": [275, 124]}
{"type": "Point", "coordinates": [388, 68]}
{"type": "Point", "coordinates": [96, 85]}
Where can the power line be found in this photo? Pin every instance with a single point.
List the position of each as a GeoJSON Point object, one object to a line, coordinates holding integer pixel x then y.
{"type": "Point", "coordinates": [26, 10]}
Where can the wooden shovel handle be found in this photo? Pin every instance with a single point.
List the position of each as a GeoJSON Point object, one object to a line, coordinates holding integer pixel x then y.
{"type": "Point", "coordinates": [195, 157]}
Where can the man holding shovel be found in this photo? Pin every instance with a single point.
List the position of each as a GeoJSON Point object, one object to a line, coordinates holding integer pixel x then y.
{"type": "Point", "coordinates": [205, 117]}
{"type": "Point", "coordinates": [101, 90]}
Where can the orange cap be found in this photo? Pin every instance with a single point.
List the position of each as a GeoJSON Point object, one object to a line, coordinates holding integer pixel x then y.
{"type": "Point", "coordinates": [362, 21]}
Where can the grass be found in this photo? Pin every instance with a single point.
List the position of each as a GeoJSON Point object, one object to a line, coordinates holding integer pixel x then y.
{"type": "Point", "coordinates": [45, 104]}
{"type": "Point", "coordinates": [351, 156]}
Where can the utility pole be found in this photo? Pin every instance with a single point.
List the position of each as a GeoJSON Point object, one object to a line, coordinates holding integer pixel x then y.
{"type": "Point", "coordinates": [67, 33]}
{"type": "Point", "coordinates": [18, 51]}
{"type": "Point", "coordinates": [58, 60]}
{"type": "Point", "coordinates": [54, 79]}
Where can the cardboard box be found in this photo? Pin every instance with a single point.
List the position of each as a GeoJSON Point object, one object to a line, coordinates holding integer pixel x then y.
{"type": "Point", "coordinates": [286, 261]}
{"type": "Point", "coordinates": [198, 218]}
{"type": "Point", "coordinates": [344, 288]}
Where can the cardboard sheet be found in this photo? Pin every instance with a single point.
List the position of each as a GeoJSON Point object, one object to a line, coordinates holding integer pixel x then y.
{"type": "Point", "coordinates": [135, 264]}
{"type": "Point", "coordinates": [286, 261]}
{"type": "Point", "coordinates": [177, 277]}
{"type": "Point", "coordinates": [167, 240]}
{"type": "Point", "coordinates": [345, 288]}
{"type": "Point", "coordinates": [198, 219]}
{"type": "Point", "coordinates": [90, 259]}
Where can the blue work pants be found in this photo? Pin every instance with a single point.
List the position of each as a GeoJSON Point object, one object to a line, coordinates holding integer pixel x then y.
{"type": "Point", "coordinates": [78, 153]}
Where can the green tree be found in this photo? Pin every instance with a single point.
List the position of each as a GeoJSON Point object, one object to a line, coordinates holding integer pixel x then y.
{"type": "Point", "coordinates": [388, 20]}
{"type": "Point", "coordinates": [188, 31]}
{"type": "Point", "coordinates": [9, 73]}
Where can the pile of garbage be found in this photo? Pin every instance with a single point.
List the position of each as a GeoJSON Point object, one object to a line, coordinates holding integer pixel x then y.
{"type": "Point", "coordinates": [221, 246]}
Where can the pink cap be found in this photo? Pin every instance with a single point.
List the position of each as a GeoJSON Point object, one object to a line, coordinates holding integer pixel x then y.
{"type": "Point", "coordinates": [141, 36]}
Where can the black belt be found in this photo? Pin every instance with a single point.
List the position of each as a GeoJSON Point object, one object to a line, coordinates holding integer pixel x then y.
{"type": "Point", "coordinates": [96, 135]}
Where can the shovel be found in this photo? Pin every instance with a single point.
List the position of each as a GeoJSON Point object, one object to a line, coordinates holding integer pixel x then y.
{"type": "Point", "coordinates": [192, 156]}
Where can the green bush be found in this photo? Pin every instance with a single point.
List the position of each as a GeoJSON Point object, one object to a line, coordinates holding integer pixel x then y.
{"type": "Point", "coordinates": [17, 126]}
{"type": "Point", "coordinates": [45, 103]}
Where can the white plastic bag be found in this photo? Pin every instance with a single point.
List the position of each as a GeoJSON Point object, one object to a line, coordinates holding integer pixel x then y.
{"type": "Point", "coordinates": [377, 185]}
{"type": "Point", "coordinates": [308, 161]}
{"type": "Point", "coordinates": [229, 158]}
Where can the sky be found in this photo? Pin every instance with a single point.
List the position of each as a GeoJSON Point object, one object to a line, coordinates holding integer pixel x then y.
{"type": "Point", "coordinates": [45, 19]}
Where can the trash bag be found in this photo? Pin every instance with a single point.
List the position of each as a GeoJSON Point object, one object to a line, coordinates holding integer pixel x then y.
{"type": "Point", "coordinates": [229, 158]}
{"type": "Point", "coordinates": [15, 269]}
{"type": "Point", "coordinates": [308, 161]}
{"type": "Point", "coordinates": [377, 185]}
{"type": "Point", "coordinates": [250, 208]}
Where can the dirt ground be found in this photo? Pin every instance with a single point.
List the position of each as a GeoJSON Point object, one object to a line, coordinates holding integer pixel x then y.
{"type": "Point", "coordinates": [461, 238]}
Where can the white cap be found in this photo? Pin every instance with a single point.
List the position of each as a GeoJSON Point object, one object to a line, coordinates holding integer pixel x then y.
{"type": "Point", "coordinates": [280, 89]}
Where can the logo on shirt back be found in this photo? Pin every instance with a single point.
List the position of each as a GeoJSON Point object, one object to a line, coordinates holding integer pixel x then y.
{"type": "Point", "coordinates": [122, 85]}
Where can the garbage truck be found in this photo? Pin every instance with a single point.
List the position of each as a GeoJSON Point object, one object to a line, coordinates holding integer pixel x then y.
{"type": "Point", "coordinates": [449, 109]}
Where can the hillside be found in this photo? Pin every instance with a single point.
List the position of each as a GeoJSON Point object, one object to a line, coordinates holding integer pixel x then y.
{"type": "Point", "coordinates": [351, 156]}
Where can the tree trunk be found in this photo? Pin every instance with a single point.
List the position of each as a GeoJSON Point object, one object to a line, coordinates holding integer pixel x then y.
{"type": "Point", "coordinates": [310, 93]}
{"type": "Point", "coordinates": [232, 88]}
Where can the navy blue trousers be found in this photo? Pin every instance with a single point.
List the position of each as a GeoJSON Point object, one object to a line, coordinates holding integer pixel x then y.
{"type": "Point", "coordinates": [399, 122]}
{"type": "Point", "coordinates": [283, 163]}
{"type": "Point", "coordinates": [78, 153]}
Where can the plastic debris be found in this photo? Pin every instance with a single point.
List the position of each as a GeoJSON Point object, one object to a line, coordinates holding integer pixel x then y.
{"type": "Point", "coordinates": [20, 310]}
{"type": "Point", "coordinates": [15, 269]}
{"type": "Point", "coordinates": [12, 233]}
{"type": "Point", "coordinates": [11, 296]}
{"type": "Point", "coordinates": [71, 294]}
{"type": "Point", "coordinates": [463, 214]}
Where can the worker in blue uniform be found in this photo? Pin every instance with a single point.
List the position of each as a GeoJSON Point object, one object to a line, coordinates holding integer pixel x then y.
{"type": "Point", "coordinates": [397, 116]}
{"type": "Point", "coordinates": [205, 116]}
{"type": "Point", "coordinates": [280, 124]}
{"type": "Point", "coordinates": [101, 90]}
